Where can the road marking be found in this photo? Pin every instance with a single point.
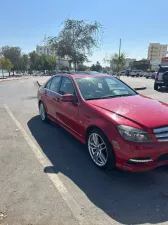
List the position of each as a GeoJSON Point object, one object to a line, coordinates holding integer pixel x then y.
{"type": "Point", "coordinates": [68, 198]}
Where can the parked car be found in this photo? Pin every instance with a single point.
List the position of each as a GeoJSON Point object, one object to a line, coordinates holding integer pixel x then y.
{"type": "Point", "coordinates": [136, 73]}
{"type": "Point", "coordinates": [122, 73]}
{"type": "Point", "coordinates": [128, 73]}
{"type": "Point", "coordinates": [161, 78]}
{"type": "Point", "coordinates": [149, 74]}
{"type": "Point", "coordinates": [110, 118]}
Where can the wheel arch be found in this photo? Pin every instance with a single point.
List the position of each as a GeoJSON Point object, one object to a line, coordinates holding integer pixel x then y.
{"type": "Point", "coordinates": [94, 127]}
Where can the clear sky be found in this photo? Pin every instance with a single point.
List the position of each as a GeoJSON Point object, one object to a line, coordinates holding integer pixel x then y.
{"type": "Point", "coordinates": [24, 23]}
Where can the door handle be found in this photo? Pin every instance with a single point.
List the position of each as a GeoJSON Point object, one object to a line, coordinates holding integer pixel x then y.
{"type": "Point", "coordinates": [57, 99]}
{"type": "Point", "coordinates": [45, 92]}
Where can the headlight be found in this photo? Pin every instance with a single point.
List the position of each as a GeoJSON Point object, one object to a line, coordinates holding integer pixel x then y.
{"type": "Point", "coordinates": [134, 134]}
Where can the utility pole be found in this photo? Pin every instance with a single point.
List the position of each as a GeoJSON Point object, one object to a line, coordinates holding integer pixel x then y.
{"type": "Point", "coordinates": [119, 57]}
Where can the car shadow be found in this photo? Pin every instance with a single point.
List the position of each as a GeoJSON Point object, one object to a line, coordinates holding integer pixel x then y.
{"type": "Point", "coordinates": [163, 90]}
{"type": "Point", "coordinates": [128, 198]}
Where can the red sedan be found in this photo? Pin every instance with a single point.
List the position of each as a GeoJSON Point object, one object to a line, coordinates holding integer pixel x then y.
{"type": "Point", "coordinates": [120, 127]}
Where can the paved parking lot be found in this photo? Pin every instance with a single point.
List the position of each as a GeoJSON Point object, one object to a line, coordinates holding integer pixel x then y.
{"type": "Point", "coordinates": [47, 177]}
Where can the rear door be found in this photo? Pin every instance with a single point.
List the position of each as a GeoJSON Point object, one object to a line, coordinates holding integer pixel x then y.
{"type": "Point", "coordinates": [52, 96]}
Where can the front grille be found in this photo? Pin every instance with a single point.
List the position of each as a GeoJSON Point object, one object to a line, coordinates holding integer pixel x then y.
{"type": "Point", "coordinates": [161, 134]}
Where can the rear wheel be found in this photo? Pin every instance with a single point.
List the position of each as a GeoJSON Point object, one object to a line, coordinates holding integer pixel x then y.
{"type": "Point", "coordinates": [156, 87]}
{"type": "Point", "coordinates": [42, 112]}
{"type": "Point", "coordinates": [100, 149]}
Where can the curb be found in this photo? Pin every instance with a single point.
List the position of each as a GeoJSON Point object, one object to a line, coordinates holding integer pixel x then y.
{"type": "Point", "coordinates": [140, 88]}
{"type": "Point", "coordinates": [7, 79]}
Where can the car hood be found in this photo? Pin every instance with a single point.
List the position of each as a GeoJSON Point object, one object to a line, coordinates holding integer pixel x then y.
{"type": "Point", "coordinates": [142, 110]}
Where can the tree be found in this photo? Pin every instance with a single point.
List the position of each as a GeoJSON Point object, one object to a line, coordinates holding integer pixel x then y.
{"type": "Point", "coordinates": [93, 67]}
{"type": "Point", "coordinates": [76, 40]}
{"type": "Point", "coordinates": [5, 64]}
{"type": "Point", "coordinates": [24, 63]}
{"type": "Point", "coordinates": [98, 67]}
{"type": "Point", "coordinates": [14, 55]}
{"type": "Point", "coordinates": [82, 67]}
{"type": "Point", "coordinates": [51, 62]}
{"type": "Point", "coordinates": [116, 62]}
{"type": "Point", "coordinates": [34, 61]}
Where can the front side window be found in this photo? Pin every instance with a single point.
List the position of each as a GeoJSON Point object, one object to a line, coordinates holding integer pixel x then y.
{"type": "Point", "coordinates": [103, 87]}
{"type": "Point", "coordinates": [55, 84]}
{"type": "Point", "coordinates": [66, 87]}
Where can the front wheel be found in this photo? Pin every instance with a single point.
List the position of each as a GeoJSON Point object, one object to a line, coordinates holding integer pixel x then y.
{"type": "Point", "coordinates": [156, 87]}
{"type": "Point", "coordinates": [100, 149]}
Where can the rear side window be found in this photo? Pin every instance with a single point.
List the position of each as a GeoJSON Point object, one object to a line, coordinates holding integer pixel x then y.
{"type": "Point", "coordinates": [55, 84]}
{"type": "Point", "coordinates": [163, 69]}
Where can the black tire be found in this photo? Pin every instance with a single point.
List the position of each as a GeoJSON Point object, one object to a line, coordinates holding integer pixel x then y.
{"type": "Point", "coordinates": [111, 161]}
{"type": "Point", "coordinates": [147, 77]}
{"type": "Point", "coordinates": [156, 87]}
{"type": "Point", "coordinates": [43, 117]}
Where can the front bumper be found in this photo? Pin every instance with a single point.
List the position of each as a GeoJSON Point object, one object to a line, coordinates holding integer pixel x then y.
{"type": "Point", "coordinates": [146, 156]}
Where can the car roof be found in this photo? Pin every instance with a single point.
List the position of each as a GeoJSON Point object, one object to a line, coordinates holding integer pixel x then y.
{"type": "Point", "coordinates": [82, 75]}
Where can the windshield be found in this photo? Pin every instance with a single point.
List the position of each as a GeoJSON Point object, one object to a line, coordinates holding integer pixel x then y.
{"type": "Point", "coordinates": [102, 87]}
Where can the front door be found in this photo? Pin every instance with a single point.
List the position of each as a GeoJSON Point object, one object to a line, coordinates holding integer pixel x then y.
{"type": "Point", "coordinates": [68, 112]}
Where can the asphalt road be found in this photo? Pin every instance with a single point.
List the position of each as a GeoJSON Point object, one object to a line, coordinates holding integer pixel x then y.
{"type": "Point", "coordinates": [47, 177]}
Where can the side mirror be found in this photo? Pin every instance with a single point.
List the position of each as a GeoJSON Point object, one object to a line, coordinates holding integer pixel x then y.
{"type": "Point", "coordinates": [68, 98]}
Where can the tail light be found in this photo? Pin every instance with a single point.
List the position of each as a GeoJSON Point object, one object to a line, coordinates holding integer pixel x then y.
{"type": "Point", "coordinates": [157, 75]}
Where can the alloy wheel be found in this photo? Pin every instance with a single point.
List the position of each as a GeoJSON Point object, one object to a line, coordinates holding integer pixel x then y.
{"type": "Point", "coordinates": [97, 149]}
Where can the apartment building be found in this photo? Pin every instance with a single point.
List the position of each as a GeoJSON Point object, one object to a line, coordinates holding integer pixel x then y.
{"type": "Point", "coordinates": [47, 50]}
{"type": "Point", "coordinates": [156, 51]}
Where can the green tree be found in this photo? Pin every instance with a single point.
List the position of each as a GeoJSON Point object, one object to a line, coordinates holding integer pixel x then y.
{"type": "Point", "coordinates": [51, 62]}
{"type": "Point", "coordinates": [116, 62]}
{"type": "Point", "coordinates": [76, 40]}
{"type": "Point", "coordinates": [14, 55]}
{"type": "Point", "coordinates": [82, 67]}
{"type": "Point", "coordinates": [5, 64]}
{"type": "Point", "coordinates": [24, 63]}
{"type": "Point", "coordinates": [93, 67]}
{"type": "Point", "coordinates": [98, 67]}
{"type": "Point", "coordinates": [34, 61]}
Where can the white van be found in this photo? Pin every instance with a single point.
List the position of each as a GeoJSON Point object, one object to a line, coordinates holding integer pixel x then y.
{"type": "Point", "coordinates": [136, 73]}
